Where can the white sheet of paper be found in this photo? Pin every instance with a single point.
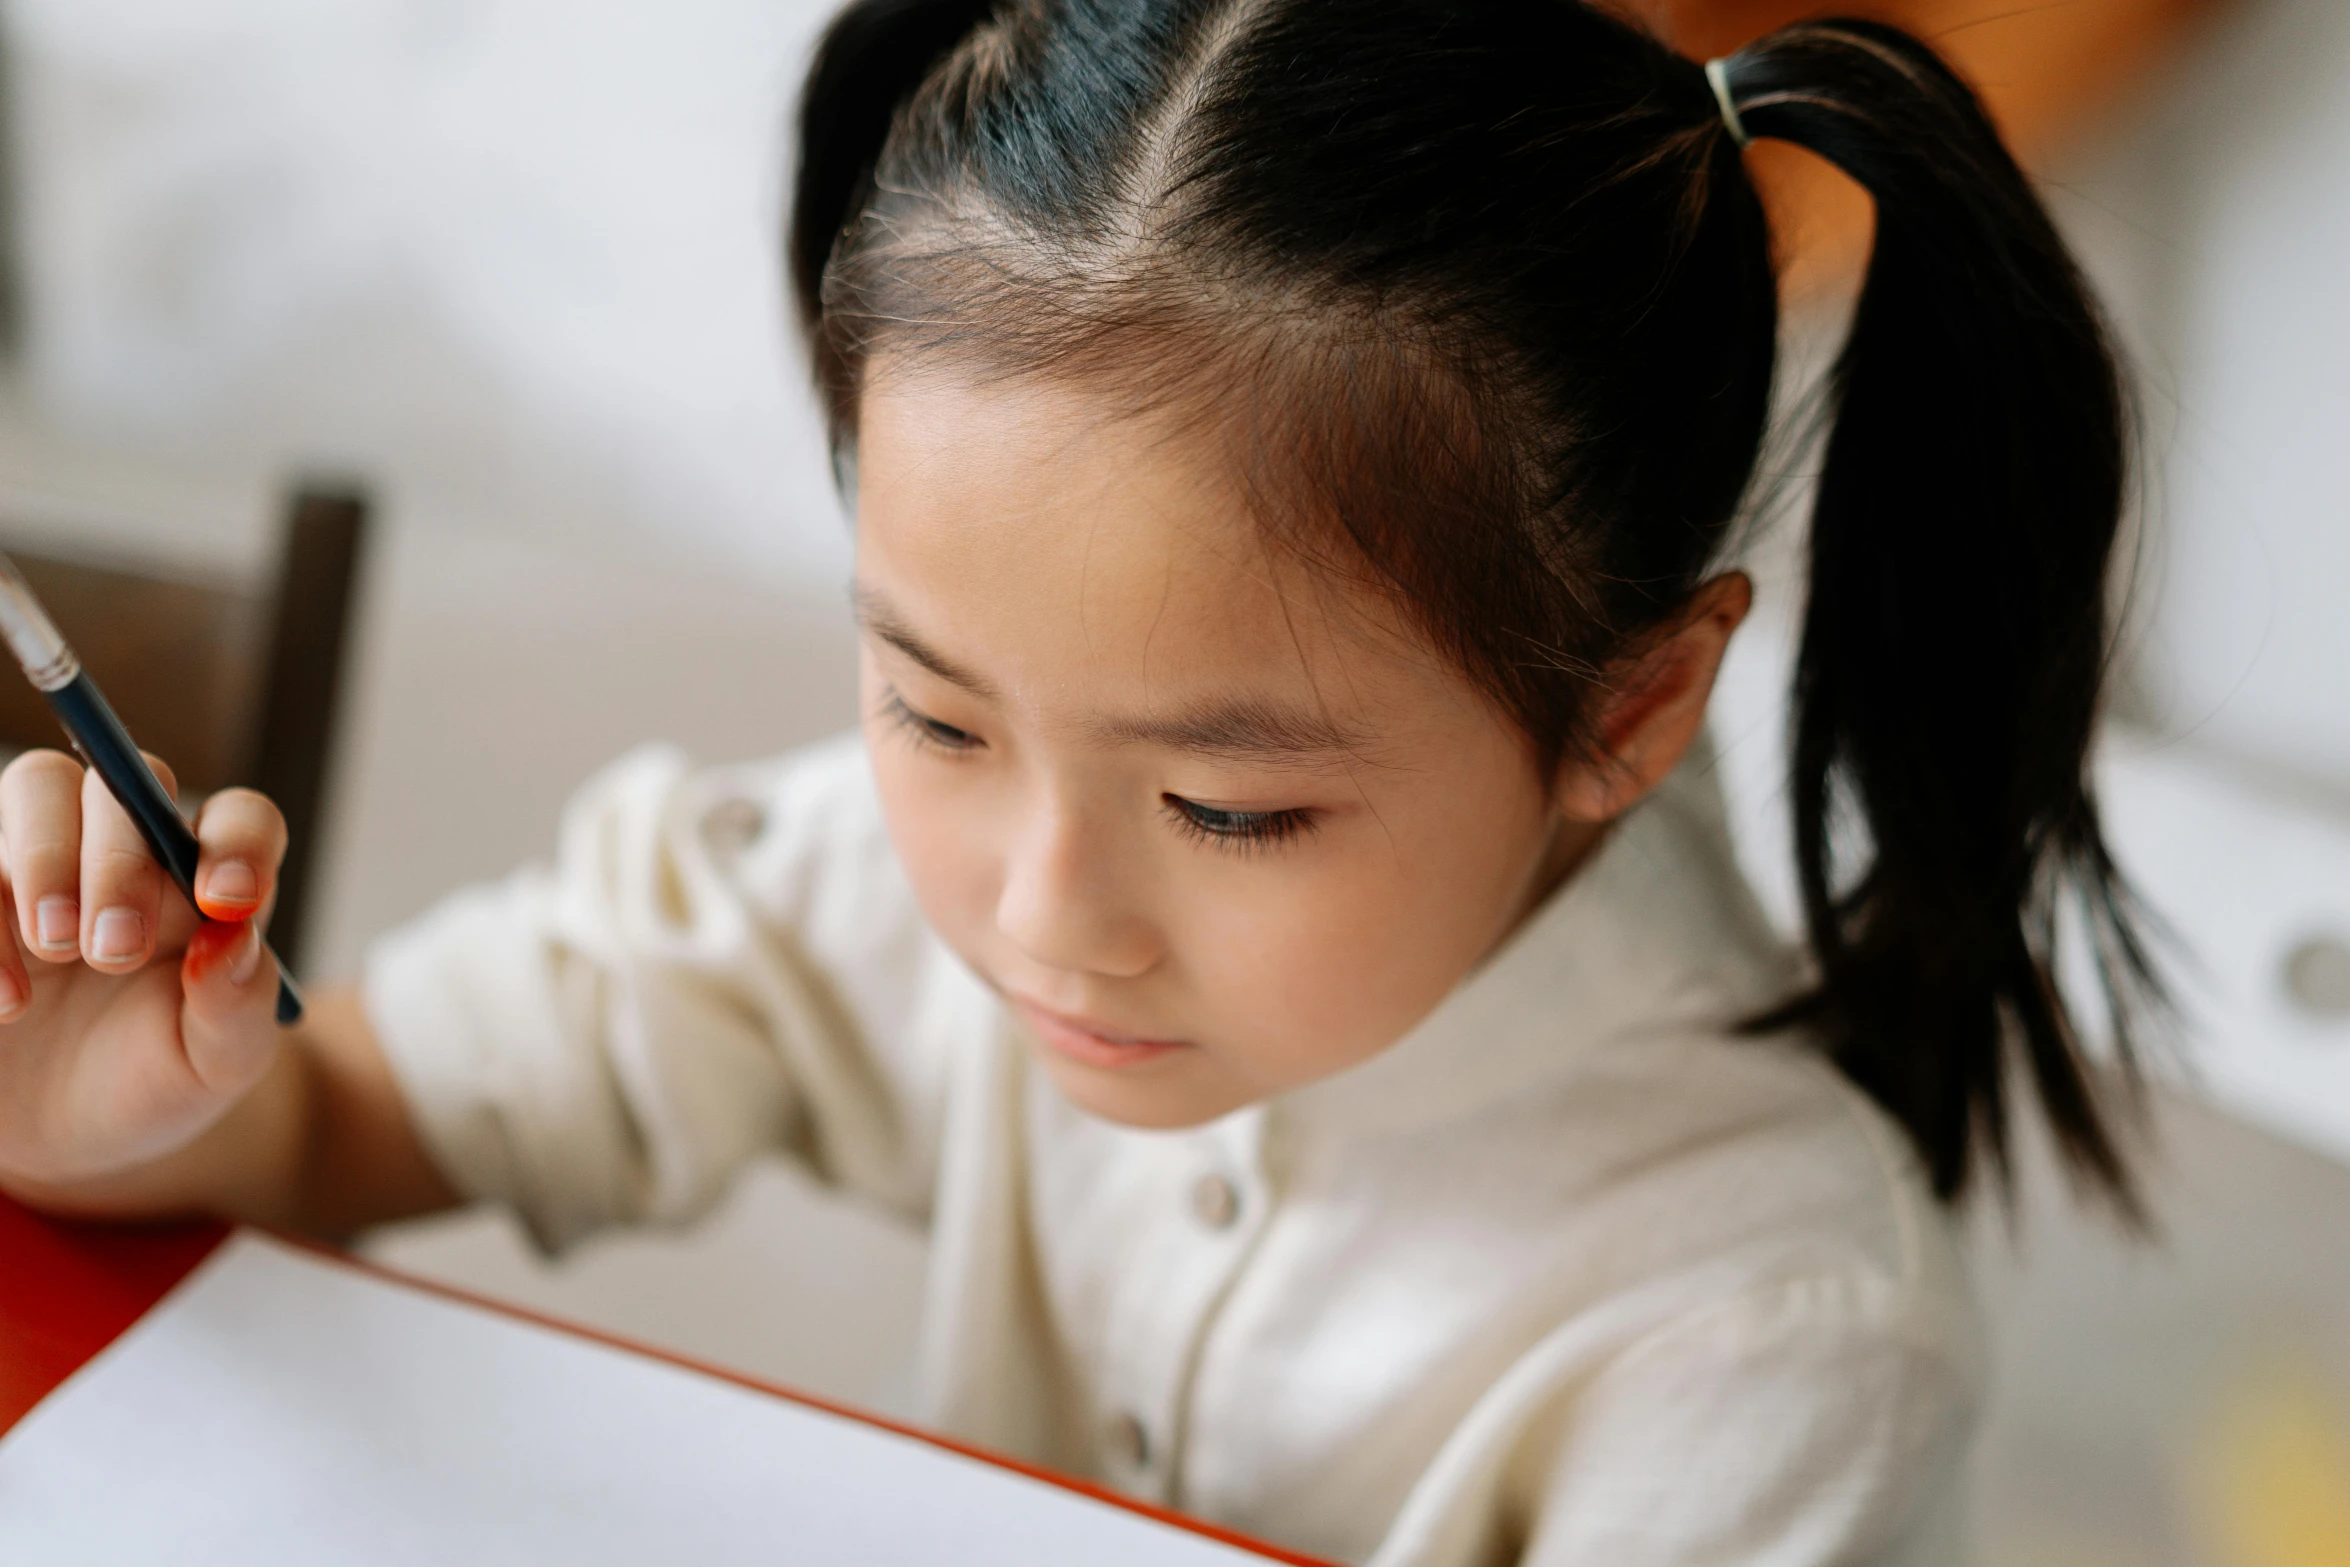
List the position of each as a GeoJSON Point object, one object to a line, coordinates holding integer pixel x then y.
{"type": "Point", "coordinates": [282, 1408]}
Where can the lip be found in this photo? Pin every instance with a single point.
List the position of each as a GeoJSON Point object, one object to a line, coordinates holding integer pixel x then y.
{"type": "Point", "coordinates": [1090, 1043]}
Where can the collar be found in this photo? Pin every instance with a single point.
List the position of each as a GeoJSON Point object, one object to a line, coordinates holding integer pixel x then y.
{"type": "Point", "coordinates": [1659, 927]}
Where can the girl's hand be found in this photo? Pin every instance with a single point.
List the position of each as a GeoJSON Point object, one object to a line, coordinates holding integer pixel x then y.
{"type": "Point", "coordinates": [129, 1022]}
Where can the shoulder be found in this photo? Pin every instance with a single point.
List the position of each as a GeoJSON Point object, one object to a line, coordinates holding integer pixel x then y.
{"type": "Point", "coordinates": [783, 831]}
{"type": "Point", "coordinates": [1768, 1151]}
{"type": "Point", "coordinates": [747, 869]}
{"type": "Point", "coordinates": [794, 823]}
{"type": "Point", "coordinates": [1800, 1417]}
{"type": "Point", "coordinates": [1751, 1332]}
{"type": "Point", "coordinates": [1792, 1359]}
{"type": "Point", "coordinates": [1779, 1166]}
{"type": "Point", "coordinates": [777, 814]}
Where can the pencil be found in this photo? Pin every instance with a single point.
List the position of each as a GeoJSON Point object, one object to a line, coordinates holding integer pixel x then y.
{"type": "Point", "coordinates": [49, 663]}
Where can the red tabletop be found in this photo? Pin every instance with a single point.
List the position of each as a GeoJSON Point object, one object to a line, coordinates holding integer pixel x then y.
{"type": "Point", "coordinates": [69, 1290]}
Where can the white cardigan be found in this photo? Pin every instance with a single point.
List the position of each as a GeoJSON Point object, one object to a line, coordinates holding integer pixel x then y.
{"type": "Point", "coordinates": [1570, 1275]}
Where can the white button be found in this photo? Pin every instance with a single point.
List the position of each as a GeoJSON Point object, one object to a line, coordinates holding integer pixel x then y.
{"type": "Point", "coordinates": [733, 824]}
{"type": "Point", "coordinates": [2317, 976]}
{"type": "Point", "coordinates": [1130, 1441]}
{"type": "Point", "coordinates": [1215, 1201]}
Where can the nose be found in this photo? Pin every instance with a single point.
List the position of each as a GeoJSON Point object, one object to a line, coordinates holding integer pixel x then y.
{"type": "Point", "coordinates": [1066, 904]}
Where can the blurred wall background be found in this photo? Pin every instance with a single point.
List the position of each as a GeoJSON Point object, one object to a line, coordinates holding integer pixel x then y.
{"type": "Point", "coordinates": [512, 262]}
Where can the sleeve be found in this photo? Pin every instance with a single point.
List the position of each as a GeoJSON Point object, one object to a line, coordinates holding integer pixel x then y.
{"type": "Point", "coordinates": [1793, 1426]}
{"type": "Point", "coordinates": [717, 965]}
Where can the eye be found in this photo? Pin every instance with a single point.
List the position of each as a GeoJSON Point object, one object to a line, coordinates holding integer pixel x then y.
{"type": "Point", "coordinates": [926, 730]}
{"type": "Point", "coordinates": [1238, 829]}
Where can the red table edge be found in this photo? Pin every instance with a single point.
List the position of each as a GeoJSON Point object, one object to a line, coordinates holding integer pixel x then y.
{"type": "Point", "coordinates": [161, 1258]}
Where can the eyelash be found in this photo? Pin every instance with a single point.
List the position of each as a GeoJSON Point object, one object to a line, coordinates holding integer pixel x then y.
{"type": "Point", "coordinates": [928, 731]}
{"type": "Point", "coordinates": [1238, 832]}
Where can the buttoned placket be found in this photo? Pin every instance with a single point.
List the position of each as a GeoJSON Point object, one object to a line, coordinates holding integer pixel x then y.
{"type": "Point", "coordinates": [1210, 1201]}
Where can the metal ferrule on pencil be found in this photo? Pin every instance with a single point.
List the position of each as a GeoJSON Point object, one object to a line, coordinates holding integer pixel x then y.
{"type": "Point", "coordinates": [48, 661]}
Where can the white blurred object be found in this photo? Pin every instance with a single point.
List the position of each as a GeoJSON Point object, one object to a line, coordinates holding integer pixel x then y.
{"type": "Point", "coordinates": [520, 256]}
{"type": "Point", "coordinates": [2218, 222]}
{"type": "Point", "coordinates": [2258, 892]}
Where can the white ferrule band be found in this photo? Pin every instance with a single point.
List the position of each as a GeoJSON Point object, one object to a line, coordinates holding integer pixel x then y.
{"type": "Point", "coordinates": [1717, 76]}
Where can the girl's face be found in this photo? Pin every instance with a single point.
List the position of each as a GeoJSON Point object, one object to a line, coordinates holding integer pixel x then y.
{"type": "Point", "coordinates": [1212, 824]}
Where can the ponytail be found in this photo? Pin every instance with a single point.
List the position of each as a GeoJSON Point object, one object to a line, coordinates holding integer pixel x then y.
{"type": "Point", "coordinates": [868, 63]}
{"type": "Point", "coordinates": [1957, 631]}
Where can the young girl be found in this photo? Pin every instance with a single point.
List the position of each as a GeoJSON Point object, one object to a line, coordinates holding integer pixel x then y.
{"type": "Point", "coordinates": [1277, 932]}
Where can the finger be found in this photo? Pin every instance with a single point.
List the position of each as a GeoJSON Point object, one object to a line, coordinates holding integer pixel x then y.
{"type": "Point", "coordinates": [243, 839]}
{"type": "Point", "coordinates": [228, 1008]}
{"type": "Point", "coordinates": [41, 823]}
{"type": "Point", "coordinates": [122, 886]}
{"type": "Point", "coordinates": [16, 988]}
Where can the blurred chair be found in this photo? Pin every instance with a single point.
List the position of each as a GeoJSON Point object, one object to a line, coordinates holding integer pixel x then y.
{"type": "Point", "coordinates": [230, 682]}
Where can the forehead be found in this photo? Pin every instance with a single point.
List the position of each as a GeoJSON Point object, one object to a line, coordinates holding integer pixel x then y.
{"type": "Point", "coordinates": [1093, 565]}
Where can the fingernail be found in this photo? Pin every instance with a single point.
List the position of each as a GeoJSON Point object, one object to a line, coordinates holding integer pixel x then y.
{"type": "Point", "coordinates": [11, 995]}
{"type": "Point", "coordinates": [248, 958]}
{"type": "Point", "coordinates": [117, 933]}
{"type": "Point", "coordinates": [232, 881]}
{"type": "Point", "coordinates": [57, 923]}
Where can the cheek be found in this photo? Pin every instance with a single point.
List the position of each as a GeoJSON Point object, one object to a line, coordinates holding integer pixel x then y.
{"type": "Point", "coordinates": [1329, 965]}
{"type": "Point", "coordinates": [942, 840]}
{"type": "Point", "coordinates": [1328, 970]}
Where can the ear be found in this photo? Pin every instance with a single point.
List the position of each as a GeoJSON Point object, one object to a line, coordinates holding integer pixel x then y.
{"type": "Point", "coordinates": [1652, 719]}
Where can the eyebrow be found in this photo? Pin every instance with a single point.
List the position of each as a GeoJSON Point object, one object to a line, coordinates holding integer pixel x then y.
{"type": "Point", "coordinates": [1238, 729]}
{"type": "Point", "coordinates": [1242, 730]}
{"type": "Point", "coordinates": [876, 615]}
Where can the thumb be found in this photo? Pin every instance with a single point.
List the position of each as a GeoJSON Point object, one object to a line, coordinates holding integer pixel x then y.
{"type": "Point", "coordinates": [228, 1008]}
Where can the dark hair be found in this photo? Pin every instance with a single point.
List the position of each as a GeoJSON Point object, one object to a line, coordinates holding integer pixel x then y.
{"type": "Point", "coordinates": [1479, 296]}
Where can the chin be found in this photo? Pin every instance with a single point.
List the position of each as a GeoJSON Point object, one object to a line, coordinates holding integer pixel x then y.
{"type": "Point", "coordinates": [1170, 1098]}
